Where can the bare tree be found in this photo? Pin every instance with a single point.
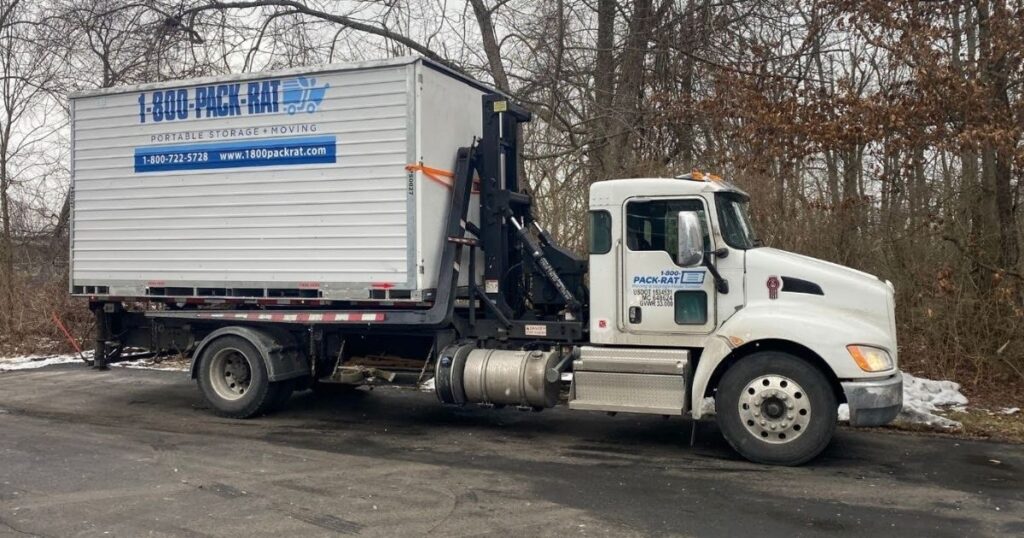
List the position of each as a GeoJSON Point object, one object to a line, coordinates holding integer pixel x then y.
{"type": "Point", "coordinates": [29, 121]}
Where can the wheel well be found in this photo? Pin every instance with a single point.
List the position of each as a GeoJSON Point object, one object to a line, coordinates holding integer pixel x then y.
{"type": "Point", "coordinates": [282, 355]}
{"type": "Point", "coordinates": [784, 346]}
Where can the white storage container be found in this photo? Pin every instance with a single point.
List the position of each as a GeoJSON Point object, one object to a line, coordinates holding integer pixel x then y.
{"type": "Point", "coordinates": [327, 182]}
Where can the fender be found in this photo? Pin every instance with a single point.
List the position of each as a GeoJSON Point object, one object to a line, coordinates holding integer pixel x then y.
{"type": "Point", "coordinates": [825, 331]}
{"type": "Point", "coordinates": [276, 348]}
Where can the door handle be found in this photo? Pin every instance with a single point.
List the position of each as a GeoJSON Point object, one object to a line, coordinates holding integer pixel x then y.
{"type": "Point", "coordinates": [619, 281]}
{"type": "Point", "coordinates": [634, 315]}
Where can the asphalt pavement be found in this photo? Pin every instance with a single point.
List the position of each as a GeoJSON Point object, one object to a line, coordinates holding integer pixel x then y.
{"type": "Point", "coordinates": [136, 453]}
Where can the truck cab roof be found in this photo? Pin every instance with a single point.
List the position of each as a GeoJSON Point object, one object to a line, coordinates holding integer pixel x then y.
{"type": "Point", "coordinates": [612, 192]}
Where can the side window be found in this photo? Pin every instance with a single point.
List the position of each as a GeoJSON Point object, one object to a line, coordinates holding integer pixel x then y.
{"type": "Point", "coordinates": [691, 307]}
{"type": "Point", "coordinates": [652, 224]}
{"type": "Point", "coordinates": [600, 232]}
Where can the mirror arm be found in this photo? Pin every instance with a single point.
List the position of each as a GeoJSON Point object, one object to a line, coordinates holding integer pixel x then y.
{"type": "Point", "coordinates": [721, 284]}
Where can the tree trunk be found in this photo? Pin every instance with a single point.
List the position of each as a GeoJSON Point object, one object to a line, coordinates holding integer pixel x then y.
{"type": "Point", "coordinates": [491, 48]}
{"type": "Point", "coordinates": [629, 89]}
{"type": "Point", "coordinates": [7, 275]}
{"type": "Point", "coordinates": [604, 90]}
{"type": "Point", "coordinates": [997, 155]}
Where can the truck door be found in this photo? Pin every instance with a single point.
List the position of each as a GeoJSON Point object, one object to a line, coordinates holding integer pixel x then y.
{"type": "Point", "coordinates": [659, 296]}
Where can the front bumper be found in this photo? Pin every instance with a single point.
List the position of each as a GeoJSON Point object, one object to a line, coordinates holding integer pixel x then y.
{"type": "Point", "coordinates": [874, 402]}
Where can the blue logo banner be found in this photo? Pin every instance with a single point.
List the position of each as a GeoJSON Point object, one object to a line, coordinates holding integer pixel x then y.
{"type": "Point", "coordinates": [237, 154]}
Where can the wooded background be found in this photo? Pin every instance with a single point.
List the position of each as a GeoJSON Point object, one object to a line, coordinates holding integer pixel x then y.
{"type": "Point", "coordinates": [883, 135]}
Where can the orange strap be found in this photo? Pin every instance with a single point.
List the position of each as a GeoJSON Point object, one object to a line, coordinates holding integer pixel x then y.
{"type": "Point", "coordinates": [444, 177]}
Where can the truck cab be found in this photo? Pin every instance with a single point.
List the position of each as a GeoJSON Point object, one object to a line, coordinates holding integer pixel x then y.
{"type": "Point", "coordinates": [776, 338]}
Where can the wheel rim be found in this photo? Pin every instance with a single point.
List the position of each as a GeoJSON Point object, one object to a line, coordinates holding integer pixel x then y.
{"type": "Point", "coordinates": [775, 409]}
{"type": "Point", "coordinates": [230, 374]}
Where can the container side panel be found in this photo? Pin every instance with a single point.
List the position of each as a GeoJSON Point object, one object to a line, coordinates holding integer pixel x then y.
{"type": "Point", "coordinates": [450, 118]}
{"type": "Point", "coordinates": [267, 183]}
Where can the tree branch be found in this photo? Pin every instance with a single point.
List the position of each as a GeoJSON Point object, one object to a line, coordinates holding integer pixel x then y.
{"type": "Point", "coordinates": [306, 10]}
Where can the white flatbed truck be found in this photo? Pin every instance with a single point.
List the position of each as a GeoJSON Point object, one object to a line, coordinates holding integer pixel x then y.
{"type": "Point", "coordinates": [365, 223]}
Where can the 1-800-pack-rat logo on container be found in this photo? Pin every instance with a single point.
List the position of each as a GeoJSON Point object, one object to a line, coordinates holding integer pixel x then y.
{"type": "Point", "coordinates": [293, 95]}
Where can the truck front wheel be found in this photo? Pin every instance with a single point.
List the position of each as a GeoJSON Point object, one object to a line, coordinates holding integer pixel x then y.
{"type": "Point", "coordinates": [776, 408]}
{"type": "Point", "coordinates": [233, 379]}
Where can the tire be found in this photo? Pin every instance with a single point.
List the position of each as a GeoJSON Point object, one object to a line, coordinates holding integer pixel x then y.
{"type": "Point", "coordinates": [776, 408]}
{"type": "Point", "coordinates": [233, 379]}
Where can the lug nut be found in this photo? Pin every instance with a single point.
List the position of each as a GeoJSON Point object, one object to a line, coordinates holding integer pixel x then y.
{"type": "Point", "coordinates": [783, 424]}
{"type": "Point", "coordinates": [762, 423]}
{"type": "Point", "coordinates": [772, 426]}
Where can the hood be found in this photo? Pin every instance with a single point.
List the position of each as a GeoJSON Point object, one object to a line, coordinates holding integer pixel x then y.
{"type": "Point", "coordinates": [831, 285]}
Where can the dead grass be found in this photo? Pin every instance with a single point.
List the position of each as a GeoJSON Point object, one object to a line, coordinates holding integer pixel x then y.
{"type": "Point", "coordinates": [977, 424]}
{"type": "Point", "coordinates": [29, 327]}
{"type": "Point", "coordinates": [984, 424]}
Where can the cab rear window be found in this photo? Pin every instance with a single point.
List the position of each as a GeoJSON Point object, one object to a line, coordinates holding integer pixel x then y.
{"type": "Point", "coordinates": [600, 232]}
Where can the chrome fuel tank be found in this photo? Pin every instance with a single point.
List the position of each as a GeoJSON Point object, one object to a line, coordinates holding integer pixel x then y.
{"type": "Point", "coordinates": [510, 377]}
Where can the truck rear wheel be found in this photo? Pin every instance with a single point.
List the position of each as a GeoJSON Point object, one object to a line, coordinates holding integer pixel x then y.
{"type": "Point", "coordinates": [233, 379]}
{"type": "Point", "coordinates": [776, 408]}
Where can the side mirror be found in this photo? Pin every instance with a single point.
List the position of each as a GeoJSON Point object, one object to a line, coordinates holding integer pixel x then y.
{"type": "Point", "coordinates": [690, 251]}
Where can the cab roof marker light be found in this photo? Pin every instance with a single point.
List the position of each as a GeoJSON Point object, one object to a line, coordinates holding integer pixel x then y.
{"type": "Point", "coordinates": [697, 175]}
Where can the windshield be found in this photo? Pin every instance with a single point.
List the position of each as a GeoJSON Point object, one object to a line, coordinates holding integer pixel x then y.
{"type": "Point", "coordinates": [734, 218]}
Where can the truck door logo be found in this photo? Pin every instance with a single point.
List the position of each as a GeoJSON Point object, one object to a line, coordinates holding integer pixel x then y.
{"type": "Point", "coordinates": [773, 287]}
{"type": "Point", "coordinates": [302, 93]}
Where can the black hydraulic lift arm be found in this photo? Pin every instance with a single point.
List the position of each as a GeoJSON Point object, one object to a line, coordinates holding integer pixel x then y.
{"type": "Point", "coordinates": [499, 194]}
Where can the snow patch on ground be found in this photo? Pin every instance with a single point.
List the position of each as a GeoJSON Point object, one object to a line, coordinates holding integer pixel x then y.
{"type": "Point", "coordinates": [150, 364]}
{"type": "Point", "coordinates": [28, 362]}
{"type": "Point", "coordinates": [924, 398]}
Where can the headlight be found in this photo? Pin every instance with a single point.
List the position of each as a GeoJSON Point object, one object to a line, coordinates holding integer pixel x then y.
{"type": "Point", "coordinates": [870, 359]}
